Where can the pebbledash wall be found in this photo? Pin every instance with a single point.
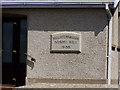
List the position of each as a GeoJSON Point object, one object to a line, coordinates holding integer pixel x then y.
{"type": "Point", "coordinates": [89, 66]}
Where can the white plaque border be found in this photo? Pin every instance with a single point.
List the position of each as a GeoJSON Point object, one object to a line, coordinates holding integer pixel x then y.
{"type": "Point", "coordinates": [66, 51]}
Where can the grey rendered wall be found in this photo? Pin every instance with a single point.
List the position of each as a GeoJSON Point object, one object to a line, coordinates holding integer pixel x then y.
{"type": "Point", "coordinates": [114, 68]}
{"type": "Point", "coordinates": [0, 46]}
{"type": "Point", "coordinates": [91, 63]}
{"type": "Point", "coordinates": [119, 51]}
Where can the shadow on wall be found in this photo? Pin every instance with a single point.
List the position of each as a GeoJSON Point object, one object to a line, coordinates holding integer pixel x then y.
{"type": "Point", "coordinates": [94, 20]}
{"type": "Point", "coordinates": [30, 64]}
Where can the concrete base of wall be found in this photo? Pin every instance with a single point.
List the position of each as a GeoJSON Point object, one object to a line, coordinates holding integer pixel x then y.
{"type": "Point", "coordinates": [30, 81]}
{"type": "Point", "coordinates": [68, 85]}
{"type": "Point", "coordinates": [75, 81]}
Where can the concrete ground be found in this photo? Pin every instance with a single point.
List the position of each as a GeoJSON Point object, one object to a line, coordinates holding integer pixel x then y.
{"type": "Point", "coordinates": [67, 85]}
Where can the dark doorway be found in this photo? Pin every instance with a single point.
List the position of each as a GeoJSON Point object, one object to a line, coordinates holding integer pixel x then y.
{"type": "Point", "coordinates": [14, 45]}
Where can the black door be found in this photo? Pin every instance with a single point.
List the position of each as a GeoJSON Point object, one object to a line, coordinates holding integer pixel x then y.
{"type": "Point", "coordinates": [14, 39]}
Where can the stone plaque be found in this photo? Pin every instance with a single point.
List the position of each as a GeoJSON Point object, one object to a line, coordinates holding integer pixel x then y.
{"type": "Point", "coordinates": [65, 42]}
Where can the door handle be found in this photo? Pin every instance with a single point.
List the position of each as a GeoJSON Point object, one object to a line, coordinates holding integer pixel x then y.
{"type": "Point", "coordinates": [14, 51]}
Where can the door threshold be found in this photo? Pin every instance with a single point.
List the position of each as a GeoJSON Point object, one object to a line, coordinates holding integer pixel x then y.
{"type": "Point", "coordinates": [8, 86]}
